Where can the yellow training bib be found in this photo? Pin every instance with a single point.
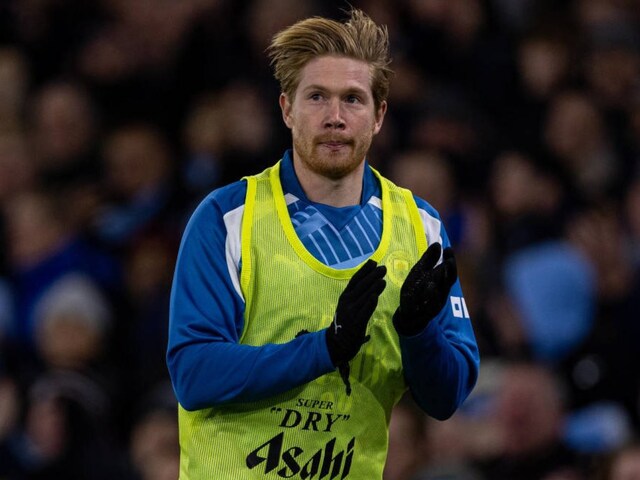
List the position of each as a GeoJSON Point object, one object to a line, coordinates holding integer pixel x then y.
{"type": "Point", "coordinates": [314, 431]}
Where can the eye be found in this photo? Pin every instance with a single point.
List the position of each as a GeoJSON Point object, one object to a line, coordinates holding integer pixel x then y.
{"type": "Point", "coordinates": [316, 97]}
{"type": "Point", "coordinates": [352, 99]}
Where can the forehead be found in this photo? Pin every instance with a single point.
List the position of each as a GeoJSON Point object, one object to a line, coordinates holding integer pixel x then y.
{"type": "Point", "coordinates": [336, 73]}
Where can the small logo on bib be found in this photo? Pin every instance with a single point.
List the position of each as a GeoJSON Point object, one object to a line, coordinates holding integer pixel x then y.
{"type": "Point", "coordinates": [398, 265]}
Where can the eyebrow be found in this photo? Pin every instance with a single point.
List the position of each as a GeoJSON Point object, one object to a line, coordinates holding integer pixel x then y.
{"type": "Point", "coordinates": [348, 90]}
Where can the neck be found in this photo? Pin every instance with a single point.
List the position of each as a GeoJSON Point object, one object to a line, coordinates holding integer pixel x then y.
{"type": "Point", "coordinates": [342, 192]}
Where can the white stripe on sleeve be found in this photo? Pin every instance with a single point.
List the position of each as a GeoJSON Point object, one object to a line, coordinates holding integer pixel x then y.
{"type": "Point", "coordinates": [233, 224]}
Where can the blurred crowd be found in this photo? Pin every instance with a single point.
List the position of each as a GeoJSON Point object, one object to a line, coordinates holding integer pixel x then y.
{"type": "Point", "coordinates": [519, 120]}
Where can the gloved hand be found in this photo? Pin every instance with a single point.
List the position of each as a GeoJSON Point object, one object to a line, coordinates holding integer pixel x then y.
{"type": "Point", "coordinates": [425, 290]}
{"type": "Point", "coordinates": [356, 304]}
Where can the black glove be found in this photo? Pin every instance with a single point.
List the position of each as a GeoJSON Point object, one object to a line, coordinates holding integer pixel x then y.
{"type": "Point", "coordinates": [425, 290]}
{"type": "Point", "coordinates": [356, 304]}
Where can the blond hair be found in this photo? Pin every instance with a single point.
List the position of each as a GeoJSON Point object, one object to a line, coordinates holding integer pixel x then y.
{"type": "Point", "coordinates": [359, 38]}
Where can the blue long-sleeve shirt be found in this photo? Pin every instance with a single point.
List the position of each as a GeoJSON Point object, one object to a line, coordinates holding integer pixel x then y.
{"type": "Point", "coordinates": [208, 365]}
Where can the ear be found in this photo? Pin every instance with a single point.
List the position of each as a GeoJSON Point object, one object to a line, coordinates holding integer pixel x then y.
{"type": "Point", "coordinates": [379, 117]}
{"type": "Point", "coordinates": [285, 106]}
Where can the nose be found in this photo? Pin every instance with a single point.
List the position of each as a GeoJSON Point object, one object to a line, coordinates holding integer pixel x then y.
{"type": "Point", "coordinates": [334, 117]}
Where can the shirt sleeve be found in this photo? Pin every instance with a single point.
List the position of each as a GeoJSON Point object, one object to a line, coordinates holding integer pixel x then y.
{"type": "Point", "coordinates": [441, 363]}
{"type": "Point", "coordinates": [206, 362]}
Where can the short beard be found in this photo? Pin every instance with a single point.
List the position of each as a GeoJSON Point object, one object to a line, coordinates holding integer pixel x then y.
{"type": "Point", "coordinates": [333, 170]}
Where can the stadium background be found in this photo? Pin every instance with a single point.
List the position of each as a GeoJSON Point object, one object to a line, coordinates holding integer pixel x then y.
{"type": "Point", "coordinates": [519, 120]}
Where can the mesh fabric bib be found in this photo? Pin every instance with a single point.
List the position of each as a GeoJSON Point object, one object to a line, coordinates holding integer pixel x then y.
{"type": "Point", "coordinates": [314, 431]}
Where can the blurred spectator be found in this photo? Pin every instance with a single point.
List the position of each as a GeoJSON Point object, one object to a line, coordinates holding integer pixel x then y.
{"type": "Point", "coordinates": [598, 233]}
{"type": "Point", "coordinates": [454, 448]}
{"type": "Point", "coordinates": [546, 63]}
{"type": "Point", "coordinates": [248, 129]}
{"type": "Point", "coordinates": [613, 62]}
{"type": "Point", "coordinates": [554, 290]}
{"type": "Point", "coordinates": [64, 128]}
{"type": "Point", "coordinates": [528, 200]}
{"type": "Point", "coordinates": [623, 464]}
{"type": "Point", "coordinates": [138, 185]}
{"type": "Point", "coordinates": [428, 174]}
{"type": "Point", "coordinates": [65, 432]}
{"type": "Point", "coordinates": [43, 248]}
{"type": "Point", "coordinates": [575, 132]}
{"type": "Point", "coordinates": [449, 125]}
{"type": "Point", "coordinates": [154, 450]}
{"type": "Point", "coordinates": [226, 135]}
{"type": "Point", "coordinates": [528, 418]}
{"type": "Point", "coordinates": [204, 140]}
{"type": "Point", "coordinates": [72, 320]}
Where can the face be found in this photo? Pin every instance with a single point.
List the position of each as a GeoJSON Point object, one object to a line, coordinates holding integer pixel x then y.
{"type": "Point", "coordinates": [529, 410]}
{"type": "Point", "coordinates": [627, 465]}
{"type": "Point", "coordinates": [332, 116]}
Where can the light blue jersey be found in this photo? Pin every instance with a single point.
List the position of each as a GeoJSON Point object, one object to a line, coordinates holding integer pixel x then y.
{"type": "Point", "coordinates": [209, 366]}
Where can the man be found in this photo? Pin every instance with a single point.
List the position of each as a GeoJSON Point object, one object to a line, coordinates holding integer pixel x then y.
{"type": "Point", "coordinates": [303, 306]}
